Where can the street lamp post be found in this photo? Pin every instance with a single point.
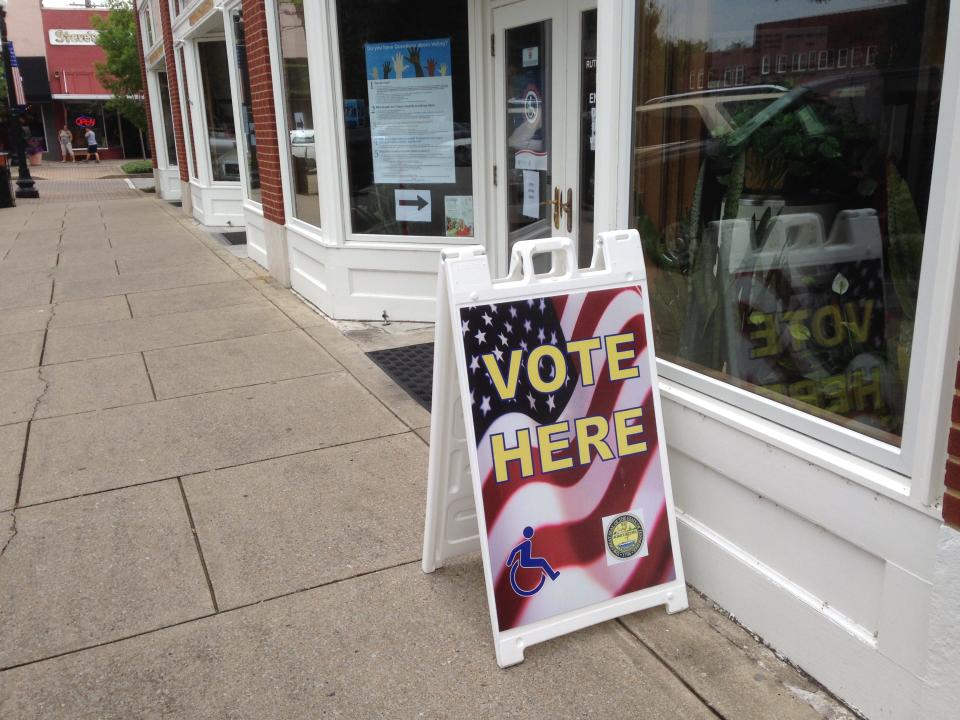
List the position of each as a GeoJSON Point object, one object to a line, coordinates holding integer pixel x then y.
{"type": "Point", "coordinates": [25, 183]}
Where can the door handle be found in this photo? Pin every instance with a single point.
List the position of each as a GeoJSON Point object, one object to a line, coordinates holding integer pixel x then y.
{"type": "Point", "coordinates": [569, 208]}
{"type": "Point", "coordinates": [557, 205]}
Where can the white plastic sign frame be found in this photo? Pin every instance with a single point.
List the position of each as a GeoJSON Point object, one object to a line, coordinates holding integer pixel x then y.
{"type": "Point", "coordinates": [455, 516]}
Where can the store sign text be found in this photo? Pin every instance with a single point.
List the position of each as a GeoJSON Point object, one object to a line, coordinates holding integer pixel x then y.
{"type": "Point", "coordinates": [73, 37]}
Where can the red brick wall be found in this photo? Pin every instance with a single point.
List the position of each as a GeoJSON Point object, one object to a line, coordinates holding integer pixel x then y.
{"type": "Point", "coordinates": [264, 113]}
{"type": "Point", "coordinates": [951, 497]}
{"type": "Point", "coordinates": [174, 86]}
{"type": "Point", "coordinates": [146, 89]}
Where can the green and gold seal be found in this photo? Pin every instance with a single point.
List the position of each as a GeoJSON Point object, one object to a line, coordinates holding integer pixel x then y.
{"type": "Point", "coordinates": [625, 536]}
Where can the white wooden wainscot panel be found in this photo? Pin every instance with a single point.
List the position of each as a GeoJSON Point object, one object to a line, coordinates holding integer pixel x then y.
{"type": "Point", "coordinates": [308, 275]}
{"type": "Point", "coordinates": [404, 294]}
{"type": "Point", "coordinates": [766, 604]}
{"type": "Point", "coordinates": [256, 243]}
{"type": "Point", "coordinates": [903, 618]}
{"type": "Point", "coordinates": [882, 526]}
{"type": "Point", "coordinates": [839, 574]}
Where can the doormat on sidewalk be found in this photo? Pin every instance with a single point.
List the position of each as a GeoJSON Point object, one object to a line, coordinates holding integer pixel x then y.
{"type": "Point", "coordinates": [235, 238]}
{"type": "Point", "coordinates": [411, 367]}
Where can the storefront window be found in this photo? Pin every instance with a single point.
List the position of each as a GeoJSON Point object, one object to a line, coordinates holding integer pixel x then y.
{"type": "Point", "coordinates": [296, 94]}
{"type": "Point", "coordinates": [189, 117]}
{"type": "Point", "coordinates": [406, 89]}
{"type": "Point", "coordinates": [146, 19]}
{"type": "Point", "coordinates": [168, 135]}
{"type": "Point", "coordinates": [783, 207]}
{"type": "Point", "coordinates": [252, 177]}
{"type": "Point", "coordinates": [218, 104]}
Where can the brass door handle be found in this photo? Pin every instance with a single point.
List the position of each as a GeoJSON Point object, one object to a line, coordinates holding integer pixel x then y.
{"type": "Point", "coordinates": [557, 205]}
{"type": "Point", "coordinates": [569, 208]}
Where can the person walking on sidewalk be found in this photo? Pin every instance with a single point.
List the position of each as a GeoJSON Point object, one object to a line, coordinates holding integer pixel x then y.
{"type": "Point", "coordinates": [66, 144]}
{"type": "Point", "coordinates": [91, 138]}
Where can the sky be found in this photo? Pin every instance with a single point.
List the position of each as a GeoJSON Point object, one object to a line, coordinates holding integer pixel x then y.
{"type": "Point", "coordinates": [726, 21]}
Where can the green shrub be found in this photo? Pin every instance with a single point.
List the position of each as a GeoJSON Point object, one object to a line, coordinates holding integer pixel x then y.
{"type": "Point", "coordinates": [137, 167]}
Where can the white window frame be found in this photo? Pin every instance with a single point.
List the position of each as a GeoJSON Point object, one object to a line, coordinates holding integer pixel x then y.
{"type": "Point", "coordinates": [765, 65]}
{"type": "Point", "coordinates": [480, 200]}
{"type": "Point", "coordinates": [913, 473]}
{"type": "Point", "coordinates": [782, 63]}
{"type": "Point", "coordinates": [822, 60]}
{"type": "Point", "coordinates": [843, 57]}
{"type": "Point", "coordinates": [236, 93]}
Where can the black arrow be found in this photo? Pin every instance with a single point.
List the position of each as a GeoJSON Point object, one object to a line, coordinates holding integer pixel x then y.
{"type": "Point", "coordinates": [420, 203]}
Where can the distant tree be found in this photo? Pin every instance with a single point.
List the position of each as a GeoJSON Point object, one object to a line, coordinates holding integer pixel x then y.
{"type": "Point", "coordinates": [120, 74]}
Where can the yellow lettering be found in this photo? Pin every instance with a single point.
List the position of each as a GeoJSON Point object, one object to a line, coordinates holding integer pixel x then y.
{"type": "Point", "coordinates": [820, 317]}
{"type": "Point", "coordinates": [625, 432]}
{"type": "Point", "coordinates": [615, 356]}
{"type": "Point", "coordinates": [503, 455]}
{"type": "Point", "coordinates": [533, 368]}
{"type": "Point", "coordinates": [507, 389]}
{"type": "Point", "coordinates": [548, 446]}
{"type": "Point", "coordinates": [798, 330]}
{"type": "Point", "coordinates": [805, 391]}
{"type": "Point", "coordinates": [767, 334]}
{"type": "Point", "coordinates": [862, 391]}
{"type": "Point", "coordinates": [861, 330]}
{"type": "Point", "coordinates": [583, 349]}
{"type": "Point", "coordinates": [835, 394]}
{"type": "Point", "coordinates": [591, 433]}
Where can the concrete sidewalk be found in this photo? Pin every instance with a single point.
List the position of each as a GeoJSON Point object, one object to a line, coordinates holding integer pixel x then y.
{"type": "Point", "coordinates": [211, 506]}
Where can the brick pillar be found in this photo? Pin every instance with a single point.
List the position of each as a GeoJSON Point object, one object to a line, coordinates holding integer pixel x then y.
{"type": "Point", "coordinates": [146, 88]}
{"type": "Point", "coordinates": [951, 496]}
{"type": "Point", "coordinates": [174, 85]}
{"type": "Point", "coordinates": [264, 112]}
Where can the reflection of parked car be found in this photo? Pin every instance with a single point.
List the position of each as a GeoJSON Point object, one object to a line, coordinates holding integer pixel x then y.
{"type": "Point", "coordinates": [302, 145]}
{"type": "Point", "coordinates": [697, 116]}
{"type": "Point", "coordinates": [223, 154]}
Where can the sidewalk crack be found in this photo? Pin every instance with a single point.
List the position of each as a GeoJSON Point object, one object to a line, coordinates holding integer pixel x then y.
{"type": "Point", "coordinates": [13, 532]}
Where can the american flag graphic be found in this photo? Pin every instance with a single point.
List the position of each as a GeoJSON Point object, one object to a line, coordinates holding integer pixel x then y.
{"type": "Point", "coordinates": [565, 508]}
{"type": "Point", "coordinates": [18, 97]}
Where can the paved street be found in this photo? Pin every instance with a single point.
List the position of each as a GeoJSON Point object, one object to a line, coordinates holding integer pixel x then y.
{"type": "Point", "coordinates": [211, 506]}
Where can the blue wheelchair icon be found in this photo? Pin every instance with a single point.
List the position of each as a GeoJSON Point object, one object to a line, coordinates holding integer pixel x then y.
{"type": "Point", "coordinates": [522, 557]}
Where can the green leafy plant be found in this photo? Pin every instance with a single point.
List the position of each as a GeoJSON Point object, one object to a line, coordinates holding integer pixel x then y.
{"type": "Point", "coordinates": [120, 74]}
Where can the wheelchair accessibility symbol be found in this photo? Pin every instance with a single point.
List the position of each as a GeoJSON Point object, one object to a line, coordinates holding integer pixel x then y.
{"type": "Point", "coordinates": [521, 557]}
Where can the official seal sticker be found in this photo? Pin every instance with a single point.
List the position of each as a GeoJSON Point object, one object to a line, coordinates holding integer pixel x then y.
{"type": "Point", "coordinates": [626, 536]}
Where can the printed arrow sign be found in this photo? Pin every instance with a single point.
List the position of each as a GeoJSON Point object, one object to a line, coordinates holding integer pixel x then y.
{"type": "Point", "coordinates": [419, 203]}
{"type": "Point", "coordinates": [413, 205]}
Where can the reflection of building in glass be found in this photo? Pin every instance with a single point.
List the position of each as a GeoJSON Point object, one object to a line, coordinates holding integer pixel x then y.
{"type": "Point", "coordinates": [790, 52]}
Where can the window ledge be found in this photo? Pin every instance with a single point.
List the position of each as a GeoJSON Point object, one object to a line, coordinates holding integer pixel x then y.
{"type": "Point", "coordinates": [875, 477]}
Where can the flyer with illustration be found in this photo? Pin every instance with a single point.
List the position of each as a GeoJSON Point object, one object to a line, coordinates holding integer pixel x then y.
{"type": "Point", "coordinates": [410, 92]}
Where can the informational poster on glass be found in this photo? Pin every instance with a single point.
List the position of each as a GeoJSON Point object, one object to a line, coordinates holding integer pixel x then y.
{"type": "Point", "coordinates": [410, 91]}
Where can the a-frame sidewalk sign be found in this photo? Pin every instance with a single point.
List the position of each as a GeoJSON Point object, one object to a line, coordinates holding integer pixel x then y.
{"type": "Point", "coordinates": [547, 450]}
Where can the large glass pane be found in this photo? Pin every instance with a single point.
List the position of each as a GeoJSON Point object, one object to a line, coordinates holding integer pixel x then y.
{"type": "Point", "coordinates": [167, 108]}
{"type": "Point", "coordinates": [218, 104]}
{"type": "Point", "coordinates": [781, 171]}
{"type": "Point", "coordinates": [252, 176]}
{"type": "Point", "coordinates": [189, 129]}
{"type": "Point", "coordinates": [296, 95]}
{"type": "Point", "coordinates": [588, 132]}
{"type": "Point", "coordinates": [528, 86]}
{"type": "Point", "coordinates": [404, 65]}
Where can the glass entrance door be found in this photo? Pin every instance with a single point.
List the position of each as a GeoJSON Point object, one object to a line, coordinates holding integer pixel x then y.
{"type": "Point", "coordinates": [545, 120]}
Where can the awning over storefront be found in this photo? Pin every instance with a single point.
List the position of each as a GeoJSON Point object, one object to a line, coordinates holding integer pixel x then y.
{"type": "Point", "coordinates": [36, 82]}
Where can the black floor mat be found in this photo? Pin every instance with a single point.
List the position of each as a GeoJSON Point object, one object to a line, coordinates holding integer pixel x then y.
{"type": "Point", "coordinates": [411, 367]}
{"type": "Point", "coordinates": [176, 203]}
{"type": "Point", "coordinates": [235, 238]}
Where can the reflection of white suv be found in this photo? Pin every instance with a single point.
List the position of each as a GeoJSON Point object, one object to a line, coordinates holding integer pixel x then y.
{"type": "Point", "coordinates": [301, 144]}
{"type": "Point", "coordinates": [705, 113]}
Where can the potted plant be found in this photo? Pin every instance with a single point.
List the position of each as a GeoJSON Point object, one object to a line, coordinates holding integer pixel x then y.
{"type": "Point", "coordinates": [35, 150]}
